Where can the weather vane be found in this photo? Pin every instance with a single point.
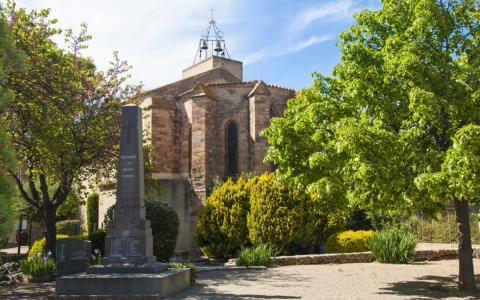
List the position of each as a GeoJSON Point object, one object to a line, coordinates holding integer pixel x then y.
{"type": "Point", "coordinates": [211, 41]}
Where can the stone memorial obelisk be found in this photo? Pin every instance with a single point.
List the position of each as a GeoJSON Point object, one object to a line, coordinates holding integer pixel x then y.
{"type": "Point", "coordinates": [129, 235]}
{"type": "Point", "coordinates": [129, 240]}
{"type": "Point", "coordinates": [129, 270]}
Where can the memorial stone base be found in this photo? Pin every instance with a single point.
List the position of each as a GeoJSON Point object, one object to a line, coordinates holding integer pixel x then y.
{"type": "Point", "coordinates": [131, 286]}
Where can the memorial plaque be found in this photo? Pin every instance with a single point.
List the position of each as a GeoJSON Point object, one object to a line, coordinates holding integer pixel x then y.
{"type": "Point", "coordinates": [72, 255]}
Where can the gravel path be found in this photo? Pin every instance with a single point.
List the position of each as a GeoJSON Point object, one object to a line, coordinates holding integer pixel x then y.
{"type": "Point", "coordinates": [426, 280]}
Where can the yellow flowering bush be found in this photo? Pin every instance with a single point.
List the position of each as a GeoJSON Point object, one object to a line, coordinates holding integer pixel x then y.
{"type": "Point", "coordinates": [349, 241]}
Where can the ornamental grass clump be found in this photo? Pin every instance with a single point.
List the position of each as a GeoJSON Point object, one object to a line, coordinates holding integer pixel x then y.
{"type": "Point", "coordinates": [262, 255]}
{"type": "Point", "coordinates": [393, 246]}
{"type": "Point", "coordinates": [38, 266]}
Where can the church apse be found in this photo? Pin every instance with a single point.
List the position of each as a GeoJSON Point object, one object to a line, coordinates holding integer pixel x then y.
{"type": "Point", "coordinates": [205, 125]}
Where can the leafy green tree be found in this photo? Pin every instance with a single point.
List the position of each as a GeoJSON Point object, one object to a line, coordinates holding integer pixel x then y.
{"type": "Point", "coordinates": [64, 121]}
{"type": "Point", "coordinates": [11, 60]}
{"type": "Point", "coordinates": [396, 126]}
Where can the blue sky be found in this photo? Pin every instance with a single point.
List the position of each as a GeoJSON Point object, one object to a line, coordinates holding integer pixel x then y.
{"type": "Point", "coordinates": [279, 41]}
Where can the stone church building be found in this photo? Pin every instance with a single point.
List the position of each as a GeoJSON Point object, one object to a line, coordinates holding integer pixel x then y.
{"type": "Point", "coordinates": [204, 125]}
{"type": "Point", "coordinates": [207, 124]}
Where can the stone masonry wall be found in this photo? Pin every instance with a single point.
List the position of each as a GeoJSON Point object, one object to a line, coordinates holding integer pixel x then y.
{"type": "Point", "coordinates": [259, 119]}
{"type": "Point", "coordinates": [231, 106]}
{"type": "Point", "coordinates": [164, 134]}
{"type": "Point", "coordinates": [203, 152]}
{"type": "Point", "coordinates": [360, 257]}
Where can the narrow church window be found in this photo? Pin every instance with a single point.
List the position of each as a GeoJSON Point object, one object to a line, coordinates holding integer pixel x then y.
{"type": "Point", "coordinates": [232, 149]}
{"type": "Point", "coordinates": [273, 113]}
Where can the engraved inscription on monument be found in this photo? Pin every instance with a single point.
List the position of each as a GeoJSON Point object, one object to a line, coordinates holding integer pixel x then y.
{"type": "Point", "coordinates": [132, 247]}
{"type": "Point", "coordinates": [127, 166]}
{"type": "Point", "coordinates": [116, 248]}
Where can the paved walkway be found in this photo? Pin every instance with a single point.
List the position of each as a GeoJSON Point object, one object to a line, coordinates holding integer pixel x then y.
{"type": "Point", "coordinates": [14, 250]}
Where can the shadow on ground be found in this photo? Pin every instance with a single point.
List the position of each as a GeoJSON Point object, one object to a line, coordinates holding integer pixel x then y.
{"type": "Point", "coordinates": [28, 291]}
{"type": "Point", "coordinates": [430, 287]}
{"type": "Point", "coordinates": [212, 285]}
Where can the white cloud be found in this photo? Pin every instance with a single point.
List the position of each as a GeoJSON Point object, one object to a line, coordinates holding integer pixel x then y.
{"type": "Point", "coordinates": [311, 41]}
{"type": "Point", "coordinates": [158, 38]}
{"type": "Point", "coordinates": [336, 10]}
{"type": "Point", "coordinates": [281, 50]}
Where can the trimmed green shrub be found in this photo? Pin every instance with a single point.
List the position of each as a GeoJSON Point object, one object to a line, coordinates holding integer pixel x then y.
{"type": "Point", "coordinates": [348, 241]}
{"type": "Point", "coordinates": [92, 213]}
{"type": "Point", "coordinates": [69, 227]}
{"type": "Point", "coordinates": [262, 255]}
{"type": "Point", "coordinates": [98, 240]}
{"type": "Point", "coordinates": [39, 246]}
{"type": "Point", "coordinates": [393, 246]}
{"type": "Point", "coordinates": [222, 224]}
{"type": "Point", "coordinates": [278, 215]}
{"type": "Point", "coordinates": [165, 223]}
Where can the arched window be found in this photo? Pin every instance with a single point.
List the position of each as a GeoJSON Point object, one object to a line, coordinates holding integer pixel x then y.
{"type": "Point", "coordinates": [231, 149]}
{"type": "Point", "coordinates": [273, 113]}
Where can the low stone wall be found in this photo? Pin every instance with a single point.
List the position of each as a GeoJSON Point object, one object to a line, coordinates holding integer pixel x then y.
{"type": "Point", "coordinates": [360, 257]}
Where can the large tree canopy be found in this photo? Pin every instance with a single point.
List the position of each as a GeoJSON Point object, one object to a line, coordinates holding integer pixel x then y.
{"type": "Point", "coordinates": [64, 120]}
{"type": "Point", "coordinates": [397, 125]}
{"type": "Point", "coordinates": [10, 61]}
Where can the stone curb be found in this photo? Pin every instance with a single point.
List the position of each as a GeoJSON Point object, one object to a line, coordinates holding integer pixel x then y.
{"type": "Point", "coordinates": [357, 257]}
{"type": "Point", "coordinates": [228, 268]}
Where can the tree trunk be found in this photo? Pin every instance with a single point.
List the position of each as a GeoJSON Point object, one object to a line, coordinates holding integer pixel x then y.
{"type": "Point", "coordinates": [466, 279]}
{"type": "Point", "coordinates": [51, 230]}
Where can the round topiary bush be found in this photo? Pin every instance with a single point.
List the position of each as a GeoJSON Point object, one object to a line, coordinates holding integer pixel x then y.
{"type": "Point", "coordinates": [69, 227]}
{"type": "Point", "coordinates": [222, 224]}
{"type": "Point", "coordinates": [165, 223]}
{"type": "Point", "coordinates": [349, 241]}
{"type": "Point", "coordinates": [278, 215]}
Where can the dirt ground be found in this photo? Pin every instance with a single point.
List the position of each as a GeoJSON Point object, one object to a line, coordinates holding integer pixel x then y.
{"type": "Point", "coordinates": [421, 280]}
